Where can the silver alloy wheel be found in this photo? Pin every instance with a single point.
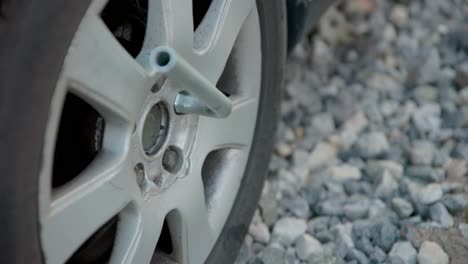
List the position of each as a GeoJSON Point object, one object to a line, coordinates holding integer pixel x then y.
{"type": "Point", "coordinates": [125, 180]}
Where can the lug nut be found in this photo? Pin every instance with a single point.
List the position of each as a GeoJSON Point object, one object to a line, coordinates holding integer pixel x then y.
{"type": "Point", "coordinates": [172, 159]}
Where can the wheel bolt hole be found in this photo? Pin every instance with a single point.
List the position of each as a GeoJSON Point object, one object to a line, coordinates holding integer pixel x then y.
{"type": "Point", "coordinates": [172, 159]}
{"type": "Point", "coordinates": [140, 174]}
{"type": "Point", "coordinates": [159, 84]}
{"type": "Point", "coordinates": [163, 58]}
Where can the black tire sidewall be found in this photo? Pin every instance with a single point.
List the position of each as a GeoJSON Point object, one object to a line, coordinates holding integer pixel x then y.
{"type": "Point", "coordinates": [272, 15]}
{"type": "Point", "coordinates": [35, 39]}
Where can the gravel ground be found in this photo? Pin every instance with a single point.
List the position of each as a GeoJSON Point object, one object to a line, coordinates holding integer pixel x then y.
{"type": "Point", "coordinates": [370, 160]}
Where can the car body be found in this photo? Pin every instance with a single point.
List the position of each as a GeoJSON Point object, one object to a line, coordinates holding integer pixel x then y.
{"type": "Point", "coordinates": [302, 16]}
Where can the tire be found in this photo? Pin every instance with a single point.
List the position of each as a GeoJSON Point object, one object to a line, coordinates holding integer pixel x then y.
{"type": "Point", "coordinates": [273, 22]}
{"type": "Point", "coordinates": [37, 35]}
{"type": "Point", "coordinates": [32, 43]}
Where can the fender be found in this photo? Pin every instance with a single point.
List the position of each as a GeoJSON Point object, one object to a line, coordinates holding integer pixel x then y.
{"type": "Point", "coordinates": [302, 16]}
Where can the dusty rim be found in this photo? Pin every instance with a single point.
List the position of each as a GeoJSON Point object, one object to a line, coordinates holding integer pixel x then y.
{"type": "Point", "coordinates": [147, 191]}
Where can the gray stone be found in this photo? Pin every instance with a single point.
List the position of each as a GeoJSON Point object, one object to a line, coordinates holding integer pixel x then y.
{"type": "Point", "coordinates": [404, 252]}
{"type": "Point", "coordinates": [272, 255]}
{"type": "Point", "coordinates": [334, 189]}
{"type": "Point", "coordinates": [426, 93]}
{"type": "Point", "coordinates": [456, 169]}
{"type": "Point", "coordinates": [399, 15]}
{"type": "Point", "coordinates": [297, 205]}
{"type": "Point", "coordinates": [395, 168]}
{"type": "Point", "coordinates": [377, 256]}
{"type": "Point", "coordinates": [439, 214]}
{"type": "Point", "coordinates": [461, 150]}
{"type": "Point", "coordinates": [452, 187]}
{"type": "Point", "coordinates": [350, 131]}
{"type": "Point", "coordinates": [312, 194]}
{"type": "Point", "coordinates": [427, 118]}
{"type": "Point", "coordinates": [290, 256]}
{"type": "Point", "coordinates": [331, 207]}
{"type": "Point", "coordinates": [389, 33]}
{"type": "Point", "coordinates": [389, 107]}
{"type": "Point", "coordinates": [411, 188]}
{"type": "Point", "coordinates": [289, 135]}
{"type": "Point", "coordinates": [318, 224]}
{"type": "Point", "coordinates": [321, 52]}
{"type": "Point", "coordinates": [255, 260]}
{"type": "Point", "coordinates": [323, 123]}
{"type": "Point", "coordinates": [384, 82]}
{"type": "Point", "coordinates": [287, 177]}
{"type": "Point", "coordinates": [300, 158]}
{"type": "Point", "coordinates": [372, 144]}
{"type": "Point", "coordinates": [412, 221]}
{"type": "Point", "coordinates": [463, 230]}
{"type": "Point", "coordinates": [356, 210]}
{"type": "Point", "coordinates": [358, 188]}
{"type": "Point", "coordinates": [375, 169]}
{"type": "Point", "coordinates": [283, 149]}
{"type": "Point", "coordinates": [342, 249]}
{"type": "Point", "coordinates": [288, 229]}
{"type": "Point", "coordinates": [343, 233]}
{"type": "Point", "coordinates": [307, 245]}
{"type": "Point", "coordinates": [322, 155]}
{"type": "Point", "coordinates": [357, 255]}
{"type": "Point", "coordinates": [334, 220]}
{"type": "Point", "coordinates": [244, 254]}
{"type": "Point", "coordinates": [377, 208]}
{"type": "Point", "coordinates": [422, 152]}
{"type": "Point", "coordinates": [402, 207]}
{"type": "Point", "coordinates": [461, 77]}
{"type": "Point", "coordinates": [259, 232]}
{"type": "Point", "coordinates": [430, 70]}
{"type": "Point", "coordinates": [365, 245]}
{"type": "Point", "coordinates": [442, 157]}
{"type": "Point", "coordinates": [463, 96]}
{"type": "Point", "coordinates": [388, 235]}
{"type": "Point", "coordinates": [430, 194]}
{"type": "Point", "coordinates": [257, 247]}
{"type": "Point", "coordinates": [342, 106]}
{"type": "Point", "coordinates": [387, 187]}
{"type": "Point", "coordinates": [361, 8]}
{"type": "Point", "coordinates": [322, 258]}
{"type": "Point", "coordinates": [277, 163]}
{"type": "Point", "coordinates": [345, 172]}
{"type": "Point", "coordinates": [431, 253]}
{"type": "Point", "coordinates": [325, 236]}
{"type": "Point", "coordinates": [382, 232]}
{"type": "Point", "coordinates": [425, 173]}
{"type": "Point", "coordinates": [269, 206]}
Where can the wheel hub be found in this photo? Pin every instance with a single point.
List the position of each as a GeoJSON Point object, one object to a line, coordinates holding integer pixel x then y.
{"type": "Point", "coordinates": [155, 129]}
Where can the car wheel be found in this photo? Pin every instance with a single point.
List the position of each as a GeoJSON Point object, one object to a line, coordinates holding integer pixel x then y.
{"type": "Point", "coordinates": [99, 163]}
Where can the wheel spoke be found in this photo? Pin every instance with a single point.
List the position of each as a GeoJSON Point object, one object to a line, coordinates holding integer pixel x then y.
{"type": "Point", "coordinates": [80, 209]}
{"type": "Point", "coordinates": [215, 40]}
{"type": "Point", "coordinates": [100, 70]}
{"type": "Point", "coordinates": [197, 236]}
{"type": "Point", "coordinates": [235, 131]}
{"type": "Point", "coordinates": [138, 234]}
{"type": "Point", "coordinates": [191, 232]}
{"type": "Point", "coordinates": [170, 23]}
